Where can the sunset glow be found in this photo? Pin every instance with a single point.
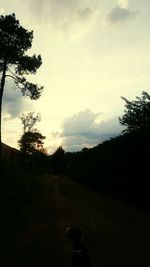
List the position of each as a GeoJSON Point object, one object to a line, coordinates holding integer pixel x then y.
{"type": "Point", "coordinates": [93, 53]}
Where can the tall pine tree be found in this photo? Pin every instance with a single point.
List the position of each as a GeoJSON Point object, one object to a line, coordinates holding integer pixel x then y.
{"type": "Point", "coordinates": [14, 62]}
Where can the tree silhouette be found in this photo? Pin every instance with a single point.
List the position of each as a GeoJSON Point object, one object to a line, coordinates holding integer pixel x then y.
{"type": "Point", "coordinates": [58, 160]}
{"type": "Point", "coordinates": [137, 113]}
{"type": "Point", "coordinates": [31, 142]}
{"type": "Point", "coordinates": [14, 63]}
{"type": "Point", "coordinates": [29, 121]}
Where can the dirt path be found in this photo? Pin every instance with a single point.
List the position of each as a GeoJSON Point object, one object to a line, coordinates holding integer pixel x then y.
{"type": "Point", "coordinates": [116, 234]}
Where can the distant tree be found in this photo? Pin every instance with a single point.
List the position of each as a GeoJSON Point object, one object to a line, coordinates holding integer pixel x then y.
{"type": "Point", "coordinates": [31, 142]}
{"type": "Point", "coordinates": [58, 160]}
{"type": "Point", "coordinates": [84, 149]}
{"type": "Point", "coordinates": [137, 113]}
{"type": "Point", "coordinates": [14, 63]}
{"type": "Point", "coordinates": [29, 120]}
{"type": "Point", "coordinates": [60, 152]}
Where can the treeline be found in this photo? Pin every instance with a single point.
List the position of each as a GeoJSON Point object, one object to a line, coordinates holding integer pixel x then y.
{"type": "Point", "coordinates": [119, 167]}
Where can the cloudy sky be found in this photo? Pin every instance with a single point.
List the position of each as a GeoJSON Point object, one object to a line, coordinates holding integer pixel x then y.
{"type": "Point", "coordinates": [93, 52]}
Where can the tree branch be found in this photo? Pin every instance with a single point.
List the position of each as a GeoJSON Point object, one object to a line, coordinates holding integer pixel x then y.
{"type": "Point", "coordinates": [8, 75]}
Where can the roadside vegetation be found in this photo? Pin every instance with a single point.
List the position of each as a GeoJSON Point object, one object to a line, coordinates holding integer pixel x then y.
{"type": "Point", "coordinates": [119, 166]}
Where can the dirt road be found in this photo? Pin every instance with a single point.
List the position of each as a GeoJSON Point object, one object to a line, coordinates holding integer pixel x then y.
{"type": "Point", "coordinates": [115, 233]}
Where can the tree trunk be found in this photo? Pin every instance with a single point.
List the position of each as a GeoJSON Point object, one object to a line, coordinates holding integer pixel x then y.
{"type": "Point", "coordinates": [1, 97]}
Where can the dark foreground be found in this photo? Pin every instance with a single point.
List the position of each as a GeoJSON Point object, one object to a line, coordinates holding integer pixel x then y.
{"type": "Point", "coordinates": [116, 234]}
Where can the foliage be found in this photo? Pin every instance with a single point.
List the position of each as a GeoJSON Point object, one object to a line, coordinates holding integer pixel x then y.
{"type": "Point", "coordinates": [59, 152]}
{"type": "Point", "coordinates": [31, 142]}
{"type": "Point", "coordinates": [118, 167]}
{"type": "Point", "coordinates": [137, 113]}
{"type": "Point", "coordinates": [57, 160]}
{"type": "Point", "coordinates": [29, 121]}
{"type": "Point", "coordinates": [14, 62]}
{"type": "Point", "coordinates": [14, 42]}
{"type": "Point", "coordinates": [39, 162]}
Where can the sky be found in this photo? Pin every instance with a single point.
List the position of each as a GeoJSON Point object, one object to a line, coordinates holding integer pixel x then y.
{"type": "Point", "coordinates": [93, 52]}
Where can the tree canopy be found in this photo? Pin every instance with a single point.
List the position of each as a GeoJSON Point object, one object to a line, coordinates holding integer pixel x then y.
{"type": "Point", "coordinates": [14, 42]}
{"type": "Point", "coordinates": [31, 142]}
{"type": "Point", "coordinates": [14, 62]}
{"type": "Point", "coordinates": [137, 113]}
{"type": "Point", "coordinates": [29, 120]}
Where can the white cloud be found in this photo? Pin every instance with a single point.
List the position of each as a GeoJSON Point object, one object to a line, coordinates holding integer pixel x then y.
{"type": "Point", "coordinates": [2, 11]}
{"type": "Point", "coordinates": [83, 130]}
{"type": "Point", "coordinates": [123, 3]}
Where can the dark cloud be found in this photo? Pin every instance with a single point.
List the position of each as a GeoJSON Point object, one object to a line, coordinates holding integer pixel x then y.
{"type": "Point", "coordinates": [13, 102]}
{"type": "Point", "coordinates": [83, 130]}
{"type": "Point", "coordinates": [119, 14]}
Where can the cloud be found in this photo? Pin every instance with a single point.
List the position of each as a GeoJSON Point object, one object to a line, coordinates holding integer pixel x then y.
{"type": "Point", "coordinates": [2, 11]}
{"type": "Point", "coordinates": [123, 3]}
{"type": "Point", "coordinates": [121, 13]}
{"type": "Point", "coordinates": [70, 18]}
{"type": "Point", "coordinates": [13, 102]}
{"type": "Point", "coordinates": [84, 130]}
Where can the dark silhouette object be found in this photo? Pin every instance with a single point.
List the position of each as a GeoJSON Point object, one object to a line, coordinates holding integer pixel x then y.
{"type": "Point", "coordinates": [80, 256]}
{"type": "Point", "coordinates": [29, 120]}
{"type": "Point", "coordinates": [14, 62]}
{"type": "Point", "coordinates": [137, 113]}
{"type": "Point", "coordinates": [31, 142]}
{"type": "Point", "coordinates": [57, 160]}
